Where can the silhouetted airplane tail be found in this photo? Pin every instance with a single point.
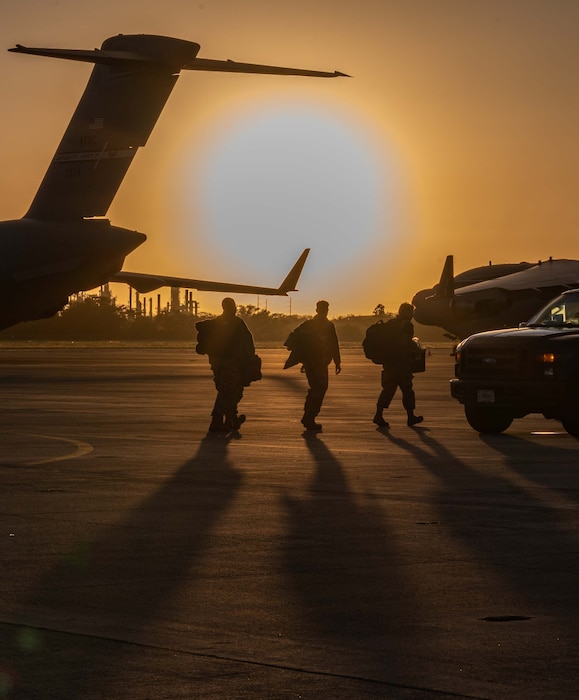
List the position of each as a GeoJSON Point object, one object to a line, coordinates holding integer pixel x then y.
{"type": "Point", "coordinates": [145, 283]}
{"type": "Point", "coordinates": [445, 287]}
{"type": "Point", "coordinates": [130, 83]}
{"type": "Point", "coordinates": [123, 99]}
{"type": "Point", "coordinates": [430, 305]}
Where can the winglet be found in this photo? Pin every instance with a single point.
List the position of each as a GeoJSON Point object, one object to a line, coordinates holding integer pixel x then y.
{"type": "Point", "coordinates": [144, 283]}
{"type": "Point", "coordinates": [290, 282]}
{"type": "Point", "coordinates": [445, 287]}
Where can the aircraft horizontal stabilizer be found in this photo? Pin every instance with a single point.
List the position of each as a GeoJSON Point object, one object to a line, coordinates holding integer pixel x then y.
{"type": "Point", "coordinates": [236, 67]}
{"type": "Point", "coordinates": [145, 283]}
{"type": "Point", "coordinates": [175, 54]}
{"type": "Point", "coordinates": [87, 56]}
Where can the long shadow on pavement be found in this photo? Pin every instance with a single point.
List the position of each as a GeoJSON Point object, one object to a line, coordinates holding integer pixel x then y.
{"type": "Point", "coordinates": [344, 569]}
{"type": "Point", "coordinates": [120, 581]}
{"type": "Point", "coordinates": [553, 463]}
{"type": "Point", "coordinates": [525, 556]}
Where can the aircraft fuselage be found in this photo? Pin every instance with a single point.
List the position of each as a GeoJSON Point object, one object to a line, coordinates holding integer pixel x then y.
{"type": "Point", "coordinates": [43, 262]}
{"type": "Point", "coordinates": [463, 315]}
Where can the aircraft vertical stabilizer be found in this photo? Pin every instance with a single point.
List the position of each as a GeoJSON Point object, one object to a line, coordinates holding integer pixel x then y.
{"type": "Point", "coordinates": [123, 99]}
{"type": "Point", "coordinates": [445, 287]}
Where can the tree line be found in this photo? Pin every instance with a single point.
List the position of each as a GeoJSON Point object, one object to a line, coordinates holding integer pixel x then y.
{"type": "Point", "coordinates": [96, 317]}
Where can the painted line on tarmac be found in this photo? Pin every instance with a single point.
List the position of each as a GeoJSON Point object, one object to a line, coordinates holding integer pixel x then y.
{"type": "Point", "coordinates": [82, 449]}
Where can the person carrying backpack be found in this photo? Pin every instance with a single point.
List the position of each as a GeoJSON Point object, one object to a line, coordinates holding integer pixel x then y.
{"type": "Point", "coordinates": [229, 344]}
{"type": "Point", "coordinates": [315, 344]}
{"type": "Point", "coordinates": [396, 359]}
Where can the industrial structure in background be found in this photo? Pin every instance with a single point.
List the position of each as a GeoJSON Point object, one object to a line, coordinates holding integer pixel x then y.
{"type": "Point", "coordinates": [150, 306]}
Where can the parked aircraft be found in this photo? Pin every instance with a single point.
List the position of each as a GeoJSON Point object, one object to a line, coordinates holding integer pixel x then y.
{"type": "Point", "coordinates": [492, 296]}
{"type": "Point", "coordinates": [63, 245]}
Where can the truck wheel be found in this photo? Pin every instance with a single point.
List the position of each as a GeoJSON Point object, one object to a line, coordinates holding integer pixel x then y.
{"type": "Point", "coordinates": [487, 420]}
{"type": "Point", "coordinates": [570, 417]}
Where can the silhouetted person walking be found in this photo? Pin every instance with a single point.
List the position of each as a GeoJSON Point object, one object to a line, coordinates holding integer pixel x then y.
{"type": "Point", "coordinates": [317, 345]}
{"type": "Point", "coordinates": [397, 369]}
{"type": "Point", "coordinates": [230, 348]}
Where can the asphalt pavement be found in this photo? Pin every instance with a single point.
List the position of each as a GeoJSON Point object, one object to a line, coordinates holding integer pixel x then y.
{"type": "Point", "coordinates": [142, 557]}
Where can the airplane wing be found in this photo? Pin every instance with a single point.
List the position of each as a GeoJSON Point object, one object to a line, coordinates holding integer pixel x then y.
{"type": "Point", "coordinates": [544, 275]}
{"type": "Point", "coordinates": [145, 283]}
{"type": "Point", "coordinates": [126, 92]}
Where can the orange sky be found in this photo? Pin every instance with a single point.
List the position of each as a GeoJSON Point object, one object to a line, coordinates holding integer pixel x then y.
{"type": "Point", "coordinates": [456, 134]}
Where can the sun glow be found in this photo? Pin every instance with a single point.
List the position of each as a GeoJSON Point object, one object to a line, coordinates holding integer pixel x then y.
{"type": "Point", "coordinates": [286, 178]}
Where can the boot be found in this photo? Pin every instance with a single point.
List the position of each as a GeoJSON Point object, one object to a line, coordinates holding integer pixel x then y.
{"type": "Point", "coordinates": [379, 420]}
{"type": "Point", "coordinates": [310, 424]}
{"type": "Point", "coordinates": [414, 420]}
{"type": "Point", "coordinates": [216, 425]}
{"type": "Point", "coordinates": [233, 421]}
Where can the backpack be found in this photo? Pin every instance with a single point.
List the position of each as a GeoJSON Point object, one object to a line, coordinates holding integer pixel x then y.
{"type": "Point", "coordinates": [205, 336]}
{"type": "Point", "coordinates": [381, 341]}
{"type": "Point", "coordinates": [252, 370]}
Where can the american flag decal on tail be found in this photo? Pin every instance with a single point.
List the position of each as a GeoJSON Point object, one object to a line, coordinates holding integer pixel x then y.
{"type": "Point", "coordinates": [96, 124]}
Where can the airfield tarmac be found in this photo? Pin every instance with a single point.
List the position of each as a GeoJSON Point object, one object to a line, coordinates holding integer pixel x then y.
{"type": "Point", "coordinates": [143, 558]}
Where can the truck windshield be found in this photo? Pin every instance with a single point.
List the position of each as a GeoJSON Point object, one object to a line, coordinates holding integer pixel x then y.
{"type": "Point", "coordinates": [562, 311]}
